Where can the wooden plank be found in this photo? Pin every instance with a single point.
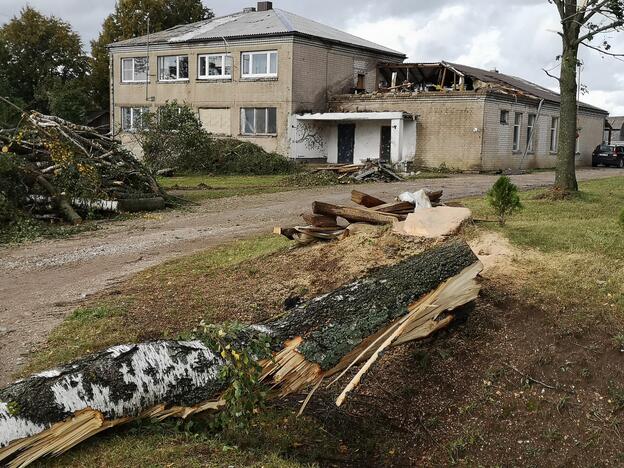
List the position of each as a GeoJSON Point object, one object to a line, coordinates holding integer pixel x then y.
{"type": "Point", "coordinates": [395, 207]}
{"type": "Point", "coordinates": [354, 215]}
{"type": "Point", "coordinates": [365, 199]}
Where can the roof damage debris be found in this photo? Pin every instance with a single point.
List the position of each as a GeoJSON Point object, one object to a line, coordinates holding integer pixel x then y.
{"type": "Point", "coordinates": [373, 170]}
{"type": "Point", "coordinates": [453, 77]}
{"type": "Point", "coordinates": [323, 223]}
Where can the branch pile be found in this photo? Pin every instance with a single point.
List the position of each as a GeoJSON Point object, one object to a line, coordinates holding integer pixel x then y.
{"type": "Point", "coordinates": [63, 169]}
{"type": "Point", "coordinates": [51, 412]}
{"type": "Point", "coordinates": [323, 224]}
{"type": "Point", "coordinates": [373, 170]}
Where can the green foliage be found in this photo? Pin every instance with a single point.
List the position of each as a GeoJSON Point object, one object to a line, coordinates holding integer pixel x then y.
{"type": "Point", "coordinates": [504, 199]}
{"type": "Point", "coordinates": [130, 20]}
{"type": "Point", "coordinates": [175, 138]}
{"type": "Point", "coordinates": [241, 349]}
{"type": "Point", "coordinates": [42, 59]}
{"type": "Point", "coordinates": [621, 218]}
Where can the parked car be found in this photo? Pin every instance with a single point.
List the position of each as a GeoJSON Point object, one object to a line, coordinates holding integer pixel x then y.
{"type": "Point", "coordinates": [609, 155]}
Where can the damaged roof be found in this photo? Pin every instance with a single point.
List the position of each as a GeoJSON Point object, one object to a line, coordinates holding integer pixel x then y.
{"type": "Point", "coordinates": [493, 79]}
{"type": "Point", "coordinates": [247, 24]}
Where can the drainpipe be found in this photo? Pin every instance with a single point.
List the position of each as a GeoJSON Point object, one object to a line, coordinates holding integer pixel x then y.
{"type": "Point", "coordinates": [530, 140]}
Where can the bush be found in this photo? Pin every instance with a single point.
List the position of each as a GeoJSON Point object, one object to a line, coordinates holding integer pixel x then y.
{"type": "Point", "coordinates": [176, 139]}
{"type": "Point", "coordinates": [503, 197]}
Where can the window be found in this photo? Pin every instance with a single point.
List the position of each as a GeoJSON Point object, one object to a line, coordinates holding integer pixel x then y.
{"type": "Point", "coordinates": [173, 68]}
{"type": "Point", "coordinates": [132, 118]}
{"type": "Point", "coordinates": [134, 70]}
{"type": "Point", "coordinates": [554, 134]}
{"type": "Point", "coordinates": [259, 64]}
{"type": "Point", "coordinates": [215, 66]}
{"type": "Point", "coordinates": [516, 131]}
{"type": "Point", "coordinates": [259, 121]}
{"type": "Point", "coordinates": [530, 134]}
{"type": "Point", "coordinates": [504, 117]}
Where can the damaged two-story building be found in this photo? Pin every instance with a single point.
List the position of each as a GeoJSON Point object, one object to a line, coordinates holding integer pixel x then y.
{"type": "Point", "coordinates": [317, 94]}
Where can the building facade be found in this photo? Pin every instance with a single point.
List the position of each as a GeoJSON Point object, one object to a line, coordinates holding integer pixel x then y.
{"type": "Point", "coordinates": [244, 74]}
{"type": "Point", "coordinates": [316, 94]}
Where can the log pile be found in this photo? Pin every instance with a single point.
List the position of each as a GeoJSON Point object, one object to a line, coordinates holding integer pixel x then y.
{"type": "Point", "coordinates": [323, 224]}
{"type": "Point", "coordinates": [373, 170]}
{"type": "Point", "coordinates": [319, 340]}
{"type": "Point", "coordinates": [66, 168]}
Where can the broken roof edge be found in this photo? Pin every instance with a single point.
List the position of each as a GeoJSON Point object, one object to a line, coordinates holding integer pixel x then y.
{"type": "Point", "coordinates": [481, 94]}
{"type": "Point", "coordinates": [512, 83]}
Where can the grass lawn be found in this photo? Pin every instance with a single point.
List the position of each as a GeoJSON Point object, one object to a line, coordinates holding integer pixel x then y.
{"type": "Point", "coordinates": [197, 188]}
{"type": "Point", "coordinates": [582, 247]}
{"type": "Point", "coordinates": [200, 187]}
{"type": "Point", "coordinates": [558, 316]}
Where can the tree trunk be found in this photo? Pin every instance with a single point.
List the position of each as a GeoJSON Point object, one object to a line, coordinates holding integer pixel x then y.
{"type": "Point", "coordinates": [51, 412]}
{"type": "Point", "coordinates": [565, 175]}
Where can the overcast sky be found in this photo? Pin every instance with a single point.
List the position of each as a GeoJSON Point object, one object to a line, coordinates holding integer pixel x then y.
{"type": "Point", "coordinates": [514, 36]}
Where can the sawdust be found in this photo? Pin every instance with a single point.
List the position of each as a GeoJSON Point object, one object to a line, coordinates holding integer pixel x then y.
{"type": "Point", "coordinates": [496, 253]}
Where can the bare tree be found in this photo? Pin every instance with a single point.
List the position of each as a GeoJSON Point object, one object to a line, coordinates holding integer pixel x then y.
{"type": "Point", "coordinates": [581, 22]}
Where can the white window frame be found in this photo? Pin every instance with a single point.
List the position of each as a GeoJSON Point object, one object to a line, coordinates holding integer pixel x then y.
{"type": "Point", "coordinates": [517, 128]}
{"type": "Point", "coordinates": [224, 57]}
{"type": "Point", "coordinates": [134, 80]}
{"type": "Point", "coordinates": [135, 112]}
{"type": "Point", "coordinates": [554, 134]}
{"type": "Point", "coordinates": [256, 110]}
{"type": "Point", "coordinates": [531, 132]}
{"type": "Point", "coordinates": [251, 56]}
{"type": "Point", "coordinates": [161, 59]}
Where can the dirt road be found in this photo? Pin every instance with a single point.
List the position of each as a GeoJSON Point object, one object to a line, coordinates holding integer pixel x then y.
{"type": "Point", "coordinates": [40, 283]}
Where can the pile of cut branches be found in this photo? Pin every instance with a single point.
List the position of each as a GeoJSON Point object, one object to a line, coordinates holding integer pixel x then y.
{"type": "Point", "coordinates": [52, 169]}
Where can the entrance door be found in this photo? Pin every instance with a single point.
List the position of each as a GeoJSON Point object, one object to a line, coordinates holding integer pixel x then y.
{"type": "Point", "coordinates": [346, 143]}
{"type": "Point", "coordinates": [386, 144]}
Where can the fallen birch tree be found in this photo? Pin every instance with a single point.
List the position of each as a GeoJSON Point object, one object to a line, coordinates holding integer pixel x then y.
{"type": "Point", "coordinates": [51, 412]}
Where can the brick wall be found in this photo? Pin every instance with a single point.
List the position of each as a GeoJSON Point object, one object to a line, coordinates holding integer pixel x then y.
{"type": "Point", "coordinates": [449, 127]}
{"type": "Point", "coordinates": [463, 130]}
{"type": "Point", "coordinates": [323, 70]}
{"type": "Point", "coordinates": [498, 150]}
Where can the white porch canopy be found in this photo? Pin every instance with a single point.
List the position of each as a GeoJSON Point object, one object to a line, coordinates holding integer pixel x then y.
{"type": "Point", "coordinates": [354, 116]}
{"type": "Point", "coordinates": [365, 135]}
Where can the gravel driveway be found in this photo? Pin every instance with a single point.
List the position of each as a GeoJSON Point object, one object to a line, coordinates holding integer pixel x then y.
{"type": "Point", "coordinates": [40, 283]}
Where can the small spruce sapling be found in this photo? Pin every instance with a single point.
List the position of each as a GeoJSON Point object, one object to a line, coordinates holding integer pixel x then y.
{"type": "Point", "coordinates": [503, 197]}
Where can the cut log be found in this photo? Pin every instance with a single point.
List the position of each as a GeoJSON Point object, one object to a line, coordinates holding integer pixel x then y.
{"type": "Point", "coordinates": [355, 215]}
{"type": "Point", "coordinates": [53, 411]}
{"type": "Point", "coordinates": [134, 205]}
{"type": "Point", "coordinates": [319, 220]}
{"type": "Point", "coordinates": [361, 198]}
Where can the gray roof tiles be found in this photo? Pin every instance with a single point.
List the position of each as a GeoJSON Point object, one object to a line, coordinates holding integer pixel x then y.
{"type": "Point", "coordinates": [274, 22]}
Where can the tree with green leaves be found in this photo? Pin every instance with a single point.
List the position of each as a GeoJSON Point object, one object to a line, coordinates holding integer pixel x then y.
{"type": "Point", "coordinates": [581, 22]}
{"type": "Point", "coordinates": [503, 198]}
{"type": "Point", "coordinates": [42, 58]}
{"type": "Point", "coordinates": [130, 20]}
